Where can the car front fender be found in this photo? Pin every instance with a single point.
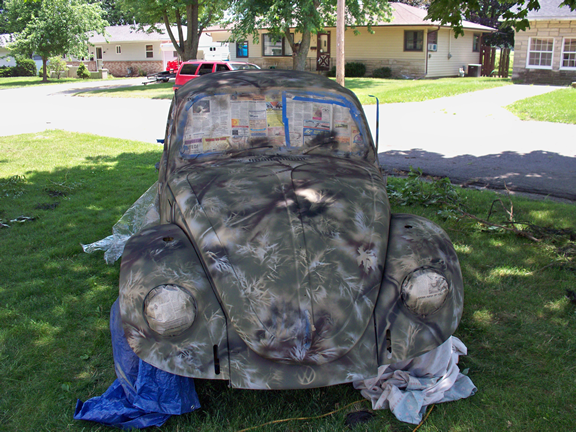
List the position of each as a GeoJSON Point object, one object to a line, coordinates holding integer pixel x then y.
{"type": "Point", "coordinates": [159, 256]}
{"type": "Point", "coordinates": [412, 321]}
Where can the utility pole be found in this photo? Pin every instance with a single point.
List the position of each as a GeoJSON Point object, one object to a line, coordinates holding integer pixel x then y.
{"type": "Point", "coordinates": [340, 6]}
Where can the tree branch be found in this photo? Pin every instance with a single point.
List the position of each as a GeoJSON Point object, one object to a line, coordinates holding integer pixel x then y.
{"type": "Point", "coordinates": [179, 49]}
{"type": "Point", "coordinates": [511, 229]}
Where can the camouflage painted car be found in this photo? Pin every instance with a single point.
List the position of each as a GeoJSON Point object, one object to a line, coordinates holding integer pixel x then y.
{"type": "Point", "coordinates": [277, 263]}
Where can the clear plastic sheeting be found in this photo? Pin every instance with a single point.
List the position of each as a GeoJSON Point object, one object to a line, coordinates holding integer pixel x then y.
{"type": "Point", "coordinates": [408, 387]}
{"type": "Point", "coordinates": [142, 396]}
{"type": "Point", "coordinates": [143, 213]}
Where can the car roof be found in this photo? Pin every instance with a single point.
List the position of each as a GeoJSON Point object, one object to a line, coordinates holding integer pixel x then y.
{"type": "Point", "coordinates": [213, 61]}
{"type": "Point", "coordinates": [262, 79]}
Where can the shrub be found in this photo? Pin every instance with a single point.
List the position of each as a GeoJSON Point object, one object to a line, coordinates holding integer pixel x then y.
{"type": "Point", "coordinates": [383, 72]}
{"type": "Point", "coordinates": [355, 70]}
{"type": "Point", "coordinates": [351, 70]}
{"type": "Point", "coordinates": [57, 65]}
{"type": "Point", "coordinates": [6, 71]}
{"type": "Point", "coordinates": [83, 71]}
{"type": "Point", "coordinates": [25, 67]}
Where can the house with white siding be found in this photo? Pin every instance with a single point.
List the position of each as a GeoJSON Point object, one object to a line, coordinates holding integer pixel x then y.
{"type": "Point", "coordinates": [410, 45]}
{"type": "Point", "coordinates": [546, 52]}
{"type": "Point", "coordinates": [124, 50]}
{"type": "Point", "coordinates": [6, 59]}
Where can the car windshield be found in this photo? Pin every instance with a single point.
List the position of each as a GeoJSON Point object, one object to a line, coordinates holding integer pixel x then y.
{"type": "Point", "coordinates": [243, 66]}
{"type": "Point", "coordinates": [296, 122]}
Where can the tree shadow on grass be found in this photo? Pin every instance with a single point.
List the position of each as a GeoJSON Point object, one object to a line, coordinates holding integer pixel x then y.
{"type": "Point", "coordinates": [54, 313]}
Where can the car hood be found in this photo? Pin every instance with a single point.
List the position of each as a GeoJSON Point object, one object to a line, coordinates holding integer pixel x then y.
{"type": "Point", "coordinates": [295, 247]}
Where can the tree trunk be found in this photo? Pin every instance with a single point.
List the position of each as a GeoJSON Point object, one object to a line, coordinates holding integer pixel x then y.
{"type": "Point", "coordinates": [186, 46]}
{"type": "Point", "coordinates": [44, 75]}
{"type": "Point", "coordinates": [192, 36]}
{"type": "Point", "coordinates": [300, 51]}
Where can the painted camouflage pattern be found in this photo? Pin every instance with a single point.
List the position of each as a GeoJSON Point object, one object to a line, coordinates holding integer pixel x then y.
{"type": "Point", "coordinates": [295, 249]}
{"type": "Point", "coordinates": [163, 255]}
{"type": "Point", "coordinates": [416, 243]}
{"type": "Point", "coordinates": [285, 252]}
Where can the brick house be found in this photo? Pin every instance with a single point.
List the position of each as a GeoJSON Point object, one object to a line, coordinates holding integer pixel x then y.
{"type": "Point", "coordinates": [546, 52]}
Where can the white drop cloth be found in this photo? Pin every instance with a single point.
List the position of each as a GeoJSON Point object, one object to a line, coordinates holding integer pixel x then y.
{"type": "Point", "coordinates": [408, 387]}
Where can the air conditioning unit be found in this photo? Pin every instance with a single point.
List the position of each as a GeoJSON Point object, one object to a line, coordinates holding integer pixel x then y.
{"type": "Point", "coordinates": [432, 47]}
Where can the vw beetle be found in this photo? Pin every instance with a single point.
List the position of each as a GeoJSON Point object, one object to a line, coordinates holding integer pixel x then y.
{"type": "Point", "coordinates": [277, 263]}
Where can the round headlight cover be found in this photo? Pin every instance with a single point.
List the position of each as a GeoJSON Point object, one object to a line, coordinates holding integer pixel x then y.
{"type": "Point", "coordinates": [424, 291]}
{"type": "Point", "coordinates": [169, 310]}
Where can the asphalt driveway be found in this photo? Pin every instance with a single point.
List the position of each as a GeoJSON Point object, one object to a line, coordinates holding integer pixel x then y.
{"type": "Point", "coordinates": [34, 109]}
{"type": "Point", "coordinates": [473, 140]}
{"type": "Point", "coordinates": [470, 138]}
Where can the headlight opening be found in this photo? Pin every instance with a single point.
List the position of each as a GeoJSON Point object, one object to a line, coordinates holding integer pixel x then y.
{"type": "Point", "coordinates": [424, 291]}
{"type": "Point", "coordinates": [169, 310]}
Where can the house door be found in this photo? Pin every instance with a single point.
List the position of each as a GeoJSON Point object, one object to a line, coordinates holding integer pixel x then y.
{"type": "Point", "coordinates": [323, 52]}
{"type": "Point", "coordinates": [99, 62]}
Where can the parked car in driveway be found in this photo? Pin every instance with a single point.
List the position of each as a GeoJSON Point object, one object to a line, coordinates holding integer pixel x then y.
{"type": "Point", "coordinates": [195, 68]}
{"type": "Point", "coordinates": [276, 262]}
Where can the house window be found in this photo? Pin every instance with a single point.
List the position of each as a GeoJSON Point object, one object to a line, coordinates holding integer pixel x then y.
{"type": "Point", "coordinates": [149, 51]}
{"type": "Point", "coordinates": [273, 47]}
{"type": "Point", "coordinates": [242, 49]}
{"type": "Point", "coordinates": [568, 54]}
{"type": "Point", "coordinates": [476, 38]}
{"type": "Point", "coordinates": [540, 53]}
{"type": "Point", "coordinates": [413, 40]}
{"type": "Point", "coordinates": [118, 49]}
{"type": "Point", "coordinates": [433, 40]}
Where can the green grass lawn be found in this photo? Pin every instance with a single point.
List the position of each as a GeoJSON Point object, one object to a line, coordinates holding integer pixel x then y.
{"type": "Point", "coordinates": [558, 106]}
{"type": "Point", "coordinates": [15, 82]}
{"type": "Point", "coordinates": [393, 91]}
{"type": "Point", "coordinates": [55, 301]}
{"type": "Point", "coordinates": [386, 90]}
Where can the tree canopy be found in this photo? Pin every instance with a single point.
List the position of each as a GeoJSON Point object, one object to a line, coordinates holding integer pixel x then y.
{"type": "Point", "coordinates": [113, 13]}
{"type": "Point", "coordinates": [3, 19]}
{"type": "Point", "coordinates": [307, 17]}
{"type": "Point", "coordinates": [52, 27]}
{"type": "Point", "coordinates": [514, 12]}
{"type": "Point", "coordinates": [190, 17]}
{"type": "Point", "coordinates": [489, 14]}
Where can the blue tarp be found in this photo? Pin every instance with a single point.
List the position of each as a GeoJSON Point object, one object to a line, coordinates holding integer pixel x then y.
{"type": "Point", "coordinates": [143, 395]}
